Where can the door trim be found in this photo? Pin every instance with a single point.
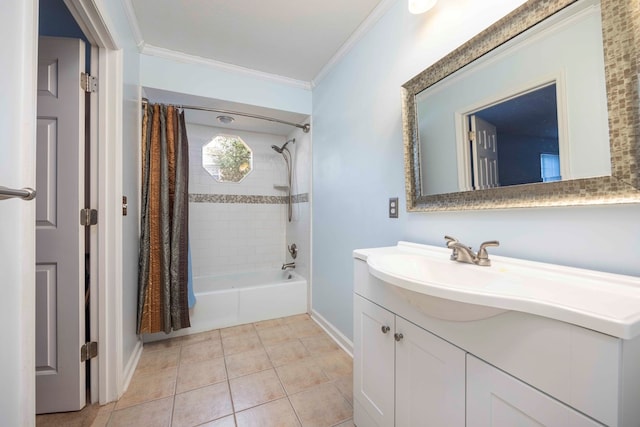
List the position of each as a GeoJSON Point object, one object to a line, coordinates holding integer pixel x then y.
{"type": "Point", "coordinates": [106, 192]}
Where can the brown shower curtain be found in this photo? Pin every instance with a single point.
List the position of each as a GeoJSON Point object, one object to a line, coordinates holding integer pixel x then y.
{"type": "Point", "coordinates": [163, 262]}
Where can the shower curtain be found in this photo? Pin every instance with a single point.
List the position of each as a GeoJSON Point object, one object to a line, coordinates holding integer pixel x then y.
{"type": "Point", "coordinates": [163, 268]}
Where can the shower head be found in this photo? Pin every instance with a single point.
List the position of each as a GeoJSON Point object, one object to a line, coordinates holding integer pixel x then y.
{"type": "Point", "coordinates": [281, 149]}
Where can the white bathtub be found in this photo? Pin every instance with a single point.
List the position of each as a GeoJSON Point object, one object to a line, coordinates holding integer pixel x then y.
{"type": "Point", "coordinates": [235, 299]}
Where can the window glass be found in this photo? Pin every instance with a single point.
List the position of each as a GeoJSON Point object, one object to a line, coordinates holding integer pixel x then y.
{"type": "Point", "coordinates": [227, 158]}
{"type": "Point", "coordinates": [550, 167]}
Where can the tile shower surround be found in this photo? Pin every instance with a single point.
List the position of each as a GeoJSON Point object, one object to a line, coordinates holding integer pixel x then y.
{"type": "Point", "coordinates": [230, 233]}
{"type": "Point", "coordinates": [280, 372]}
{"type": "Point", "coordinates": [236, 227]}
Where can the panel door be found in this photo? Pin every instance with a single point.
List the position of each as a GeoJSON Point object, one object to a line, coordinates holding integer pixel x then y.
{"type": "Point", "coordinates": [430, 379]}
{"type": "Point", "coordinates": [373, 363]}
{"type": "Point", "coordinates": [60, 272]}
{"type": "Point", "coordinates": [485, 154]}
{"type": "Point", "coordinates": [497, 399]}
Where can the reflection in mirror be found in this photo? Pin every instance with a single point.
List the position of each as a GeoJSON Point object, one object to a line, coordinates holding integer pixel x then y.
{"type": "Point", "coordinates": [227, 158]}
{"type": "Point", "coordinates": [512, 91]}
{"type": "Point", "coordinates": [583, 52]}
{"type": "Point", "coordinates": [514, 141]}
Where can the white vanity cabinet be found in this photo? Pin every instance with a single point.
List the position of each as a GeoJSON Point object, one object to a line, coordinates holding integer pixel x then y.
{"type": "Point", "coordinates": [404, 375]}
{"type": "Point", "coordinates": [503, 369]}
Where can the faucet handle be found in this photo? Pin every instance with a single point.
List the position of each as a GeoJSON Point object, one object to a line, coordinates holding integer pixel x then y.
{"type": "Point", "coordinates": [293, 250]}
{"type": "Point", "coordinates": [483, 256]}
{"type": "Point", "coordinates": [450, 240]}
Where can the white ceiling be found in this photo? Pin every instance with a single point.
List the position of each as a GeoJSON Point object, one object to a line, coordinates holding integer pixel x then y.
{"type": "Point", "coordinates": [279, 38]}
{"type": "Point", "coordinates": [289, 38]}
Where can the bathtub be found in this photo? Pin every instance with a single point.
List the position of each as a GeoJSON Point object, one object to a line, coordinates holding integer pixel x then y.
{"type": "Point", "coordinates": [238, 298]}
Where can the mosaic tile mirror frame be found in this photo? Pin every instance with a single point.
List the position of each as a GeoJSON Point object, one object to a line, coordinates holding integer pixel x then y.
{"type": "Point", "coordinates": [621, 40]}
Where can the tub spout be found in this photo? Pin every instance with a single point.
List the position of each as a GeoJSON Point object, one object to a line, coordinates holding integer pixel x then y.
{"type": "Point", "coordinates": [288, 265]}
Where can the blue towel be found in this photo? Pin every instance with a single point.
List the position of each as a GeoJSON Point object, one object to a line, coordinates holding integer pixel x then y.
{"type": "Point", "coordinates": [191, 295]}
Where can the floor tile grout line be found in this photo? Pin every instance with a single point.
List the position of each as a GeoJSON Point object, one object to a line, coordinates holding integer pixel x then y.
{"type": "Point", "coordinates": [295, 411]}
{"type": "Point", "coordinates": [226, 369]}
{"type": "Point", "coordinates": [175, 385]}
{"type": "Point", "coordinates": [173, 409]}
{"type": "Point", "coordinates": [286, 393]}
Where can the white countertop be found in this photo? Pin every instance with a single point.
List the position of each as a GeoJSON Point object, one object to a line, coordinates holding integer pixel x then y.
{"type": "Point", "coordinates": [605, 302]}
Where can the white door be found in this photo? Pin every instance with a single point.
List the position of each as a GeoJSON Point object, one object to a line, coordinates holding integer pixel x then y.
{"type": "Point", "coordinates": [496, 399]}
{"type": "Point", "coordinates": [430, 379]}
{"type": "Point", "coordinates": [373, 364]}
{"type": "Point", "coordinates": [60, 271]}
{"type": "Point", "coordinates": [485, 153]}
{"type": "Point", "coordinates": [18, 25]}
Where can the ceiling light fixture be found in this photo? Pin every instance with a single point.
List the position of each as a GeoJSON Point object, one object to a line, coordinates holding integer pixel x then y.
{"type": "Point", "coordinates": [420, 6]}
{"type": "Point", "coordinates": [225, 119]}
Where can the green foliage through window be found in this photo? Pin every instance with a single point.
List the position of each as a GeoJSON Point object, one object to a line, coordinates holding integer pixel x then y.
{"type": "Point", "coordinates": [227, 158]}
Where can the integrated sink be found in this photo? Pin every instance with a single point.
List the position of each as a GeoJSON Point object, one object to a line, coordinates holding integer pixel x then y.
{"type": "Point", "coordinates": [412, 272]}
{"type": "Point", "coordinates": [441, 288]}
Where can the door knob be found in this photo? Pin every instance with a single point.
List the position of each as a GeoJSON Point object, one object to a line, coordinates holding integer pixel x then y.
{"type": "Point", "coordinates": [398, 336]}
{"type": "Point", "coordinates": [385, 329]}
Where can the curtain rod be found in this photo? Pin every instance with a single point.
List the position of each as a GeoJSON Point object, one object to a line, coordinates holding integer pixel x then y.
{"type": "Point", "coordinates": [305, 128]}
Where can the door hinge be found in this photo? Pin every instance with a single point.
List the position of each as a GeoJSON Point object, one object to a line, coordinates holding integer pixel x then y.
{"type": "Point", "coordinates": [88, 217]}
{"type": "Point", "coordinates": [88, 351]}
{"type": "Point", "coordinates": [88, 83]}
{"type": "Point", "coordinates": [472, 136]}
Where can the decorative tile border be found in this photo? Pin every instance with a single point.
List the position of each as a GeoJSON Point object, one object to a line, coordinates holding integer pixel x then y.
{"type": "Point", "coordinates": [247, 199]}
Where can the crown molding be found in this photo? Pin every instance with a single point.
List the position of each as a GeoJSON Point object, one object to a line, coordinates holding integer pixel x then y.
{"type": "Point", "coordinates": [366, 25]}
{"type": "Point", "coordinates": [133, 23]}
{"type": "Point", "coordinates": [173, 55]}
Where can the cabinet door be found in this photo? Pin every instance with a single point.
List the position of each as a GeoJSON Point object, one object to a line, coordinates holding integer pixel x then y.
{"type": "Point", "coordinates": [373, 363]}
{"type": "Point", "coordinates": [430, 379]}
{"type": "Point", "coordinates": [497, 399]}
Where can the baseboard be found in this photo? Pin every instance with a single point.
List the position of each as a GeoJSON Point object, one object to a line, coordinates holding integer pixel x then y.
{"type": "Point", "coordinates": [131, 366]}
{"type": "Point", "coordinates": [345, 343]}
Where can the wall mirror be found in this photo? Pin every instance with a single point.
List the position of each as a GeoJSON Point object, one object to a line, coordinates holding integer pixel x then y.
{"type": "Point", "coordinates": [554, 87]}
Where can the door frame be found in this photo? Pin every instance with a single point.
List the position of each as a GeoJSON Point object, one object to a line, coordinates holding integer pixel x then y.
{"type": "Point", "coordinates": [20, 21]}
{"type": "Point", "coordinates": [106, 192]}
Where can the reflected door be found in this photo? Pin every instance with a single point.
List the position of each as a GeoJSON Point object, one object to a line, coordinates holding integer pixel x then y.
{"type": "Point", "coordinates": [484, 146]}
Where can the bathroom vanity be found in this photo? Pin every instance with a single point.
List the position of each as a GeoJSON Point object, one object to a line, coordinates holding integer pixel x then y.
{"type": "Point", "coordinates": [519, 343]}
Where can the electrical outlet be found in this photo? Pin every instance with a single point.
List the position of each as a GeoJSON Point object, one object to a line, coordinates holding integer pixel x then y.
{"type": "Point", "coordinates": [393, 207]}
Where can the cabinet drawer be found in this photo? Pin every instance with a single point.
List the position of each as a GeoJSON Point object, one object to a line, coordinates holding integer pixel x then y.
{"type": "Point", "coordinates": [496, 399]}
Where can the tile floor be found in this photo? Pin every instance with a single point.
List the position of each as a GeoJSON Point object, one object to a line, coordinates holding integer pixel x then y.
{"type": "Point", "coordinates": [281, 372]}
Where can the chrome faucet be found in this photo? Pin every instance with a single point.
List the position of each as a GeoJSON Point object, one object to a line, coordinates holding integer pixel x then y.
{"type": "Point", "coordinates": [463, 253]}
{"type": "Point", "coordinates": [288, 265]}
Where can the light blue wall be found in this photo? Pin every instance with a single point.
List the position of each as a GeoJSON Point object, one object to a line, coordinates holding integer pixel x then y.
{"type": "Point", "coordinates": [358, 165]}
{"type": "Point", "coordinates": [210, 82]}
